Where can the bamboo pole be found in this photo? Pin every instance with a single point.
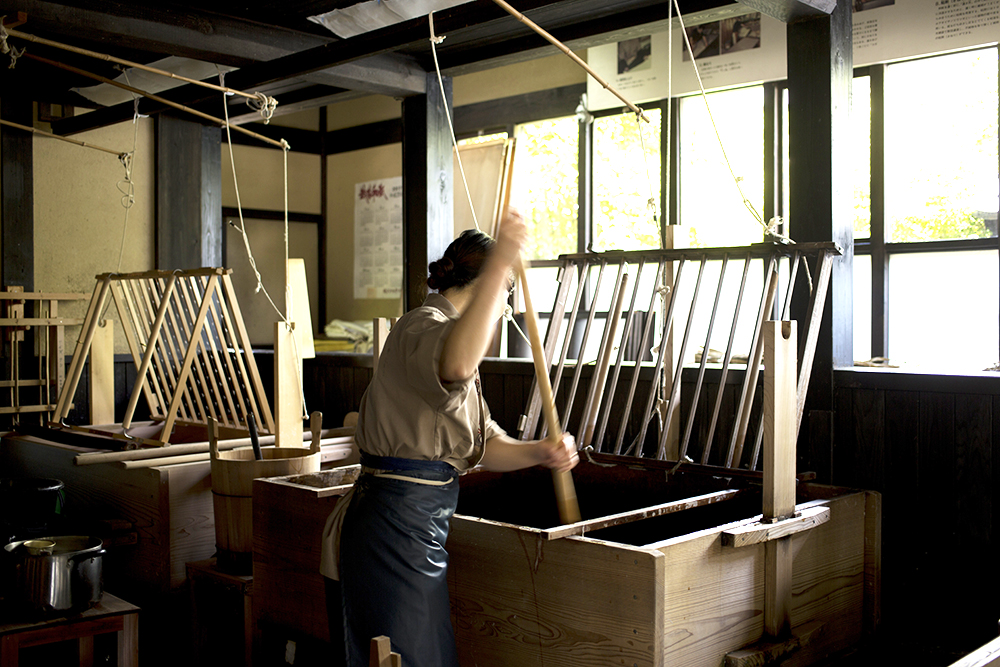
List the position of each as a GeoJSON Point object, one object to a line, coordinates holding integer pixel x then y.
{"type": "Point", "coordinates": [127, 63]}
{"type": "Point", "coordinates": [575, 58]}
{"type": "Point", "coordinates": [156, 98]}
{"type": "Point", "coordinates": [66, 139]}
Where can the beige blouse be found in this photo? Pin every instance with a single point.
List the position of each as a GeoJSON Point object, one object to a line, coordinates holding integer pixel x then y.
{"type": "Point", "coordinates": [408, 412]}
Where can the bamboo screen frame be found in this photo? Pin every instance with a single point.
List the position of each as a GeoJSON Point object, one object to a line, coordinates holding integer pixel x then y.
{"type": "Point", "coordinates": [673, 269]}
{"type": "Point", "coordinates": [188, 340]}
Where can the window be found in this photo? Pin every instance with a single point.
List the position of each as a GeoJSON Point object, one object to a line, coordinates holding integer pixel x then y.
{"type": "Point", "coordinates": [545, 186]}
{"type": "Point", "coordinates": [941, 147]}
{"type": "Point", "coordinates": [711, 209]}
{"type": "Point", "coordinates": [626, 181]}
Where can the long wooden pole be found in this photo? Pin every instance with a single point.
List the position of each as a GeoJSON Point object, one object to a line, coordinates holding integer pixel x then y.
{"type": "Point", "coordinates": [127, 63]}
{"type": "Point", "coordinates": [569, 508]}
{"type": "Point", "coordinates": [66, 139]}
{"type": "Point", "coordinates": [155, 98]}
{"type": "Point", "coordinates": [575, 58]}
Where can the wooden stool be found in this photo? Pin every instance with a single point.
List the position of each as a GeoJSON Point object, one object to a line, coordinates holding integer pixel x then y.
{"type": "Point", "coordinates": [110, 615]}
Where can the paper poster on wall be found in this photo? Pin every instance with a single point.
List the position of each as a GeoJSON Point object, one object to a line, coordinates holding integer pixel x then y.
{"type": "Point", "coordinates": [378, 239]}
{"type": "Point", "coordinates": [733, 49]}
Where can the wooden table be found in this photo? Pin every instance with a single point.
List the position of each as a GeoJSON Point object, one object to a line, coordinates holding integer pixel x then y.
{"type": "Point", "coordinates": [110, 615]}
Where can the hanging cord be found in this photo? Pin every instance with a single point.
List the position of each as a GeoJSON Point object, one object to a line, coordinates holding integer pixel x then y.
{"type": "Point", "coordinates": [6, 48]}
{"type": "Point", "coordinates": [736, 179]}
{"type": "Point", "coordinates": [435, 40]}
{"type": "Point", "coordinates": [508, 314]}
{"type": "Point", "coordinates": [263, 105]}
{"type": "Point", "coordinates": [651, 202]}
{"type": "Point", "coordinates": [246, 244]}
{"type": "Point", "coordinates": [126, 186]}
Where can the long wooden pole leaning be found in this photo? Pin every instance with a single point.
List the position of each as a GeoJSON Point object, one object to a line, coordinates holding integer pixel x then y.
{"type": "Point", "coordinates": [575, 58]}
{"type": "Point", "coordinates": [569, 508]}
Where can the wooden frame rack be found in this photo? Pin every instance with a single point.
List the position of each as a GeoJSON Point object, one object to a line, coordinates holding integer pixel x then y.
{"type": "Point", "coordinates": [672, 299]}
{"type": "Point", "coordinates": [189, 342]}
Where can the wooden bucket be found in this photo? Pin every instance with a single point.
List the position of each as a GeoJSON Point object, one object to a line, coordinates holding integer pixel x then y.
{"type": "Point", "coordinates": [233, 472]}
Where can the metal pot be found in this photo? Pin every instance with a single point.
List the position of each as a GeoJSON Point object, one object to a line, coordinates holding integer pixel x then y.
{"type": "Point", "coordinates": [55, 574]}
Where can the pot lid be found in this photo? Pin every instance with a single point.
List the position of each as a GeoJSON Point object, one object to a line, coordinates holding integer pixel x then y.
{"type": "Point", "coordinates": [64, 544]}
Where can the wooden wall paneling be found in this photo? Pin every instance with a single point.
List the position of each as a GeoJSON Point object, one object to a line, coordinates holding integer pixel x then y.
{"type": "Point", "coordinates": [974, 473]}
{"type": "Point", "coordinates": [869, 439]}
{"type": "Point", "coordinates": [936, 496]}
{"type": "Point", "coordinates": [514, 397]}
{"type": "Point", "coordinates": [995, 468]}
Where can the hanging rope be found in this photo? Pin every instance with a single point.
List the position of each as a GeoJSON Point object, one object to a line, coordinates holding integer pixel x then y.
{"type": "Point", "coordinates": [435, 40]}
{"type": "Point", "coordinates": [284, 317]}
{"type": "Point", "coordinates": [128, 191]}
{"type": "Point", "coordinates": [736, 179]}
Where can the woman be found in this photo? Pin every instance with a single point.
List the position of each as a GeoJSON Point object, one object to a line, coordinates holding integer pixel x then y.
{"type": "Point", "coordinates": [421, 423]}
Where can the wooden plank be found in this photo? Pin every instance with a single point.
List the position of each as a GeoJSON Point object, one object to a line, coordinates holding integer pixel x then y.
{"type": "Point", "coordinates": [772, 653]}
{"type": "Point", "coordinates": [380, 330]}
{"type": "Point", "coordinates": [779, 343]}
{"type": "Point", "coordinates": [873, 562]}
{"type": "Point", "coordinates": [589, 525]}
{"type": "Point", "coordinates": [974, 469]}
{"type": "Point", "coordinates": [299, 311]}
{"type": "Point", "coordinates": [756, 533]}
{"type": "Point", "coordinates": [987, 655]}
{"type": "Point", "coordinates": [42, 296]}
{"type": "Point", "coordinates": [40, 321]}
{"type": "Point", "coordinates": [102, 374]}
{"type": "Point", "coordinates": [288, 413]}
{"type": "Point", "coordinates": [512, 587]}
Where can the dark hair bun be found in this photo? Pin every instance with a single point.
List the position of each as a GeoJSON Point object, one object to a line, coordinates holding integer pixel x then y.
{"type": "Point", "coordinates": [439, 271]}
{"type": "Point", "coordinates": [462, 261]}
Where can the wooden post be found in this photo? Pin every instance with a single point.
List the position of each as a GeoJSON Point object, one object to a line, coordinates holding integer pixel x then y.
{"type": "Point", "coordinates": [102, 374]}
{"type": "Point", "coordinates": [780, 343]}
{"type": "Point", "coordinates": [287, 388]}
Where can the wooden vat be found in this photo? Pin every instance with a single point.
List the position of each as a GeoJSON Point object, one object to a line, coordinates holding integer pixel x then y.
{"type": "Point", "coordinates": [660, 590]}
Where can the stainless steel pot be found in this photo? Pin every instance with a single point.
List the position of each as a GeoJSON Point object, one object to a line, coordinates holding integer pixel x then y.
{"type": "Point", "coordinates": [55, 574]}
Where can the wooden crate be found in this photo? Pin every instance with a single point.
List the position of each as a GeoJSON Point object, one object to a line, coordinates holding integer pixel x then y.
{"type": "Point", "coordinates": [659, 591]}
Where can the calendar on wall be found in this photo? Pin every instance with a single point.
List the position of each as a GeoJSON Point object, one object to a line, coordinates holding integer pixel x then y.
{"type": "Point", "coordinates": [378, 239]}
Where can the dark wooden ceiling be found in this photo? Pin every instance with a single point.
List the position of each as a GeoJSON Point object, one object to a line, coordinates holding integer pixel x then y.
{"type": "Point", "coordinates": [276, 48]}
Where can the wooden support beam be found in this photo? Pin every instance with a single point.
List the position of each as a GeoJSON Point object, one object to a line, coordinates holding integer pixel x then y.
{"type": "Point", "coordinates": [17, 208]}
{"type": "Point", "coordinates": [188, 194]}
{"type": "Point", "coordinates": [770, 652]}
{"type": "Point", "coordinates": [779, 470]}
{"type": "Point", "coordinates": [428, 184]}
{"type": "Point", "coordinates": [788, 11]}
{"type": "Point", "coordinates": [820, 71]}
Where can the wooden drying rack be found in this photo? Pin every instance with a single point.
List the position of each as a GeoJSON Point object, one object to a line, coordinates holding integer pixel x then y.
{"type": "Point", "coordinates": [189, 342]}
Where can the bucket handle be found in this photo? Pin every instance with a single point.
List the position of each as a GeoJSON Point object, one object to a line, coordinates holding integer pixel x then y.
{"type": "Point", "coordinates": [213, 438]}
{"type": "Point", "coordinates": [316, 426]}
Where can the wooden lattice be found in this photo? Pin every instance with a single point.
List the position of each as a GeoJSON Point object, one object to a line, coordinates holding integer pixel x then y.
{"type": "Point", "coordinates": [189, 342]}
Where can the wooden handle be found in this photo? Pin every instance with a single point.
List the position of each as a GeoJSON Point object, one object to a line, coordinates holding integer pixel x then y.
{"type": "Point", "coordinates": [213, 438]}
{"type": "Point", "coordinates": [316, 427]}
{"type": "Point", "coordinates": [569, 508]}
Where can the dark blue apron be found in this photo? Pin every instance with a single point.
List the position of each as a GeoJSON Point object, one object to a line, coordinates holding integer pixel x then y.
{"type": "Point", "coordinates": [393, 563]}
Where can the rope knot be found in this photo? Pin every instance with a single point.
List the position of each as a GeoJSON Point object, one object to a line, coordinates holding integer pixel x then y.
{"type": "Point", "coordinates": [264, 105]}
{"type": "Point", "coordinates": [15, 53]}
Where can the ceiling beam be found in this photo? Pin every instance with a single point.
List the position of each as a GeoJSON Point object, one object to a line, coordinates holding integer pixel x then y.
{"type": "Point", "coordinates": [324, 56]}
{"type": "Point", "coordinates": [789, 11]}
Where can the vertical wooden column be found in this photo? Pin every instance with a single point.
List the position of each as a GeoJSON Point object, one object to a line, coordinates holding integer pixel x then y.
{"type": "Point", "coordinates": [17, 193]}
{"type": "Point", "coordinates": [188, 194]}
{"type": "Point", "coordinates": [820, 70]}
{"type": "Point", "coordinates": [779, 470]}
{"type": "Point", "coordinates": [428, 184]}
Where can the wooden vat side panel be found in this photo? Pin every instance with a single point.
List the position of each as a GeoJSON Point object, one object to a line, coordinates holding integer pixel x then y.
{"type": "Point", "coordinates": [288, 526]}
{"type": "Point", "coordinates": [105, 491]}
{"type": "Point", "coordinates": [192, 516]}
{"type": "Point", "coordinates": [714, 596]}
{"type": "Point", "coordinates": [713, 599]}
{"type": "Point", "coordinates": [873, 562]}
{"type": "Point", "coordinates": [828, 579]}
{"type": "Point", "coordinates": [520, 601]}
